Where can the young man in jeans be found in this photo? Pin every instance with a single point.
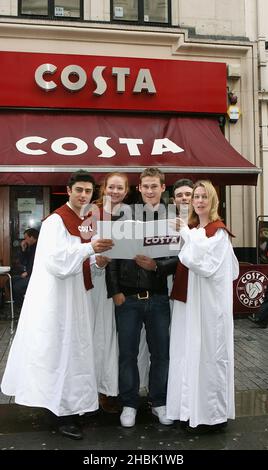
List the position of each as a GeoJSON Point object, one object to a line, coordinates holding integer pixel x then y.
{"type": "Point", "coordinates": [139, 290]}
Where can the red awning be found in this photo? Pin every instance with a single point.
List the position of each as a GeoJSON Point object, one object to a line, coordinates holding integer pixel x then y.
{"type": "Point", "coordinates": [43, 148]}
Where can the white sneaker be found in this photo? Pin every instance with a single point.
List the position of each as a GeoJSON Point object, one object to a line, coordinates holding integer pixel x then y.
{"type": "Point", "coordinates": [161, 412]}
{"type": "Point", "coordinates": [128, 417]}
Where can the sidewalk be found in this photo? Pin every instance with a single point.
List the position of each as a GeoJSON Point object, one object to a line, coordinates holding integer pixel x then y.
{"type": "Point", "coordinates": [30, 428]}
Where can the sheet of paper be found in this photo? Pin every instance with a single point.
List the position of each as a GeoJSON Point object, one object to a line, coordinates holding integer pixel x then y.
{"type": "Point", "coordinates": [154, 239]}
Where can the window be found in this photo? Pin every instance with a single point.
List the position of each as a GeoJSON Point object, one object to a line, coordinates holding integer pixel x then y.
{"type": "Point", "coordinates": [52, 9]}
{"type": "Point", "coordinates": [141, 11]}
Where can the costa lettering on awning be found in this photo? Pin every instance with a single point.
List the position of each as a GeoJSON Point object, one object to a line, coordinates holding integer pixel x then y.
{"type": "Point", "coordinates": [34, 146]}
{"type": "Point", "coordinates": [111, 83]}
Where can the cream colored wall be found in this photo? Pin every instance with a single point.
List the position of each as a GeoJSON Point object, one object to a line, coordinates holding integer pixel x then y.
{"type": "Point", "coordinates": [262, 37]}
{"type": "Point", "coordinates": [8, 7]}
{"type": "Point", "coordinates": [221, 17]}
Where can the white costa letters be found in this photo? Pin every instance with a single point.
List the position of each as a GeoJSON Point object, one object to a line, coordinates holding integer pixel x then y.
{"type": "Point", "coordinates": [27, 146]}
{"type": "Point", "coordinates": [144, 81]}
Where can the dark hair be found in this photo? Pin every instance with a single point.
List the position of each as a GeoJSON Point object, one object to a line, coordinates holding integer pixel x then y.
{"type": "Point", "coordinates": [80, 175]}
{"type": "Point", "coordinates": [32, 232]}
{"type": "Point", "coordinates": [153, 172]}
{"type": "Point", "coordinates": [182, 182]}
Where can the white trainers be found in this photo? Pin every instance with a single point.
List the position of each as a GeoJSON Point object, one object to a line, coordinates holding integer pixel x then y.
{"type": "Point", "coordinates": [161, 412]}
{"type": "Point", "coordinates": [128, 417]}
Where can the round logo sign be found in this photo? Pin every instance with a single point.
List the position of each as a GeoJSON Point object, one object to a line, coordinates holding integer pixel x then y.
{"type": "Point", "coordinates": [250, 288]}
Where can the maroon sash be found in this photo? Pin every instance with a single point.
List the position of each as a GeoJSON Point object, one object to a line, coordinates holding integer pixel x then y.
{"type": "Point", "coordinates": [180, 285]}
{"type": "Point", "coordinates": [72, 222]}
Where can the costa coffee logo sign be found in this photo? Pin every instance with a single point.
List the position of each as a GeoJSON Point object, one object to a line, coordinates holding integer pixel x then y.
{"type": "Point", "coordinates": [72, 146]}
{"type": "Point", "coordinates": [73, 81]}
{"type": "Point", "coordinates": [74, 78]}
{"type": "Point", "coordinates": [250, 288]}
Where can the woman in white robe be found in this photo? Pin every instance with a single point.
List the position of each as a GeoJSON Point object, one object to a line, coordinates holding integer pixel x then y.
{"type": "Point", "coordinates": [112, 193]}
{"type": "Point", "coordinates": [201, 371]}
{"type": "Point", "coordinates": [51, 361]}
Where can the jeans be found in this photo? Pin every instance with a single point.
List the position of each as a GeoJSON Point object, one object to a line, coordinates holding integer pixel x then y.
{"type": "Point", "coordinates": [19, 285]}
{"type": "Point", "coordinates": [155, 314]}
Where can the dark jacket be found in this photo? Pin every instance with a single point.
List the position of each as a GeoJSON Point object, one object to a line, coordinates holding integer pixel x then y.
{"type": "Point", "coordinates": [127, 277]}
{"type": "Point", "coordinates": [26, 258]}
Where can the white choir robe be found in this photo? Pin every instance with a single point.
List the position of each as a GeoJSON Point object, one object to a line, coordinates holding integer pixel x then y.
{"type": "Point", "coordinates": [201, 371]}
{"type": "Point", "coordinates": [106, 342]}
{"type": "Point", "coordinates": [51, 362]}
{"type": "Point", "coordinates": [104, 336]}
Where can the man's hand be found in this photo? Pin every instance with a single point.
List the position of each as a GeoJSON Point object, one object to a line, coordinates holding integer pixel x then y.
{"type": "Point", "coordinates": [145, 262]}
{"type": "Point", "coordinates": [102, 244]}
{"type": "Point", "coordinates": [23, 245]}
{"type": "Point", "coordinates": [24, 274]}
{"type": "Point", "coordinates": [102, 261]}
{"type": "Point", "coordinates": [119, 299]}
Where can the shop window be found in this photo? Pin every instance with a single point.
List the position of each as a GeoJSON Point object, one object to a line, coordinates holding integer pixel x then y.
{"type": "Point", "coordinates": [26, 211]}
{"type": "Point", "coordinates": [51, 9]}
{"type": "Point", "coordinates": [141, 11]}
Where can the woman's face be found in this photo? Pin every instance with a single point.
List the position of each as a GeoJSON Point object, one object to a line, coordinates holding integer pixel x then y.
{"type": "Point", "coordinates": [200, 202]}
{"type": "Point", "coordinates": [116, 189]}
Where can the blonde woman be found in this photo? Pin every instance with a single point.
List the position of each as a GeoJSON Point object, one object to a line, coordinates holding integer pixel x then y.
{"type": "Point", "coordinates": [201, 372]}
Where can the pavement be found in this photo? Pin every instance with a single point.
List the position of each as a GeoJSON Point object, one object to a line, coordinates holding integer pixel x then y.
{"type": "Point", "coordinates": [25, 428]}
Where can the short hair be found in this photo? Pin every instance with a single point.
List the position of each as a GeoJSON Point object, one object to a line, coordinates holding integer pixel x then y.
{"type": "Point", "coordinates": [32, 232]}
{"type": "Point", "coordinates": [182, 182]}
{"type": "Point", "coordinates": [80, 175]}
{"type": "Point", "coordinates": [153, 172]}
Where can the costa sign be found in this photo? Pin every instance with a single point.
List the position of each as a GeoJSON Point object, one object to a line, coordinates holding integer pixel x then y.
{"type": "Point", "coordinates": [74, 78]}
{"type": "Point", "coordinates": [250, 288]}
{"type": "Point", "coordinates": [72, 146]}
{"type": "Point", "coordinates": [111, 83]}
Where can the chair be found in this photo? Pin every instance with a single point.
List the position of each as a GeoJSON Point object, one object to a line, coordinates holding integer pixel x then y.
{"type": "Point", "coordinates": [5, 271]}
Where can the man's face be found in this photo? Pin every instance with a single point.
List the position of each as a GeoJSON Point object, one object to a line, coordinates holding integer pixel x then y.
{"type": "Point", "coordinates": [29, 240]}
{"type": "Point", "coordinates": [151, 190]}
{"type": "Point", "coordinates": [182, 195]}
{"type": "Point", "coordinates": [80, 194]}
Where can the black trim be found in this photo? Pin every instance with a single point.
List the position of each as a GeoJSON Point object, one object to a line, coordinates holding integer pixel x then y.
{"type": "Point", "coordinates": [140, 19]}
{"type": "Point", "coordinates": [50, 15]}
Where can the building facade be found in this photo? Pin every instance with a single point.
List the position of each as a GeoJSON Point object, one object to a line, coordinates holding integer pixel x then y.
{"type": "Point", "coordinates": [150, 77]}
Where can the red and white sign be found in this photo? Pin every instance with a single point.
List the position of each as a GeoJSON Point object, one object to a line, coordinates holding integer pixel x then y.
{"type": "Point", "coordinates": [111, 83]}
{"type": "Point", "coordinates": [105, 141]}
{"type": "Point", "coordinates": [249, 288]}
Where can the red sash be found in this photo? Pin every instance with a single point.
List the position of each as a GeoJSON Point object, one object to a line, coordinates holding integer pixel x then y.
{"type": "Point", "coordinates": [180, 285]}
{"type": "Point", "coordinates": [72, 222]}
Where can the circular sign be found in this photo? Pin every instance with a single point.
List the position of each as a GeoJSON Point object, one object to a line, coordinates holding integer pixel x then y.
{"type": "Point", "coordinates": [250, 288]}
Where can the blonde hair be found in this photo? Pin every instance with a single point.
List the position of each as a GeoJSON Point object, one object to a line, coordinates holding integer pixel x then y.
{"type": "Point", "coordinates": [212, 199]}
{"type": "Point", "coordinates": [104, 184]}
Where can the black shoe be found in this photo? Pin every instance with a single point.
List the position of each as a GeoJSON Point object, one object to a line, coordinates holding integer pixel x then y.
{"type": "Point", "coordinates": [71, 430]}
{"type": "Point", "coordinates": [184, 424]}
{"type": "Point", "coordinates": [206, 428]}
{"type": "Point", "coordinates": [69, 427]}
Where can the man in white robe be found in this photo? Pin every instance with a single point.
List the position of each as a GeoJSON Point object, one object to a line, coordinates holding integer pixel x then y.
{"type": "Point", "coordinates": [51, 362]}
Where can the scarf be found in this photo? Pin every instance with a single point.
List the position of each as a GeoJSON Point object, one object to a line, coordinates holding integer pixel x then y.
{"type": "Point", "coordinates": [180, 285]}
{"type": "Point", "coordinates": [72, 222]}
